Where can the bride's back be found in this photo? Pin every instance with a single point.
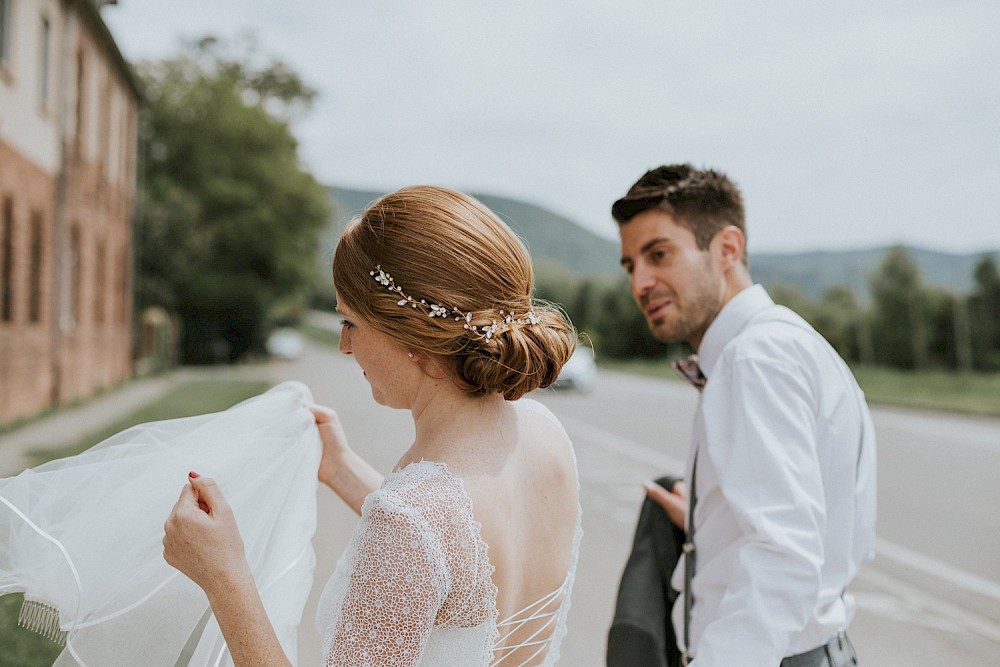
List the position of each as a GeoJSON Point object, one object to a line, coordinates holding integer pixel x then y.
{"type": "Point", "coordinates": [527, 504]}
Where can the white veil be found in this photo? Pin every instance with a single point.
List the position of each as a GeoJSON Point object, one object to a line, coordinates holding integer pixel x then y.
{"type": "Point", "coordinates": [81, 536]}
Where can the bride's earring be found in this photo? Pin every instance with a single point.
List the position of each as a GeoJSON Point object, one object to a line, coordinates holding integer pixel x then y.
{"type": "Point", "coordinates": [409, 354]}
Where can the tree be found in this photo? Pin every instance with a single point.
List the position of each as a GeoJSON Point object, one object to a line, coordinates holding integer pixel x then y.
{"type": "Point", "coordinates": [963, 336]}
{"type": "Point", "coordinates": [619, 328]}
{"type": "Point", "coordinates": [555, 283]}
{"type": "Point", "coordinates": [839, 319]}
{"type": "Point", "coordinates": [899, 326]}
{"type": "Point", "coordinates": [947, 330]}
{"type": "Point", "coordinates": [984, 315]}
{"type": "Point", "coordinates": [793, 298]}
{"type": "Point", "coordinates": [583, 307]}
{"type": "Point", "coordinates": [228, 234]}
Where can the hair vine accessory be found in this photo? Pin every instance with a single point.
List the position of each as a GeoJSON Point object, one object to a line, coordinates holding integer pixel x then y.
{"type": "Point", "coordinates": [486, 331]}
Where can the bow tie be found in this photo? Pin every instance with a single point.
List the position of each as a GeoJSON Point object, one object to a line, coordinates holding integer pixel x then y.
{"type": "Point", "coordinates": [690, 371]}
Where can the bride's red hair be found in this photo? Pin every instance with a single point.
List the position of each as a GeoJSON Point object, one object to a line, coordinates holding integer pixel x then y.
{"type": "Point", "coordinates": [449, 249]}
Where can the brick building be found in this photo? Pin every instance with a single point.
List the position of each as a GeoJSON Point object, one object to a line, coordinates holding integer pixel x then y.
{"type": "Point", "coordinates": [68, 144]}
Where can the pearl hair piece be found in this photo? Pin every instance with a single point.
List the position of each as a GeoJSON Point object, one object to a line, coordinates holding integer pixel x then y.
{"type": "Point", "coordinates": [486, 331]}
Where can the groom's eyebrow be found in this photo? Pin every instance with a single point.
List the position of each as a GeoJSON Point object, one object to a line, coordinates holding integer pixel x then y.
{"type": "Point", "coordinates": [646, 247]}
{"type": "Point", "coordinates": [649, 245]}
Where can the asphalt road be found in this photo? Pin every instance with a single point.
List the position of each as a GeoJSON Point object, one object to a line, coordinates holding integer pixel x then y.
{"type": "Point", "coordinates": [930, 598]}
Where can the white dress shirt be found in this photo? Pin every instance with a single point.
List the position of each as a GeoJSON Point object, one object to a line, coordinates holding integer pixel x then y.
{"type": "Point", "coordinates": [785, 512]}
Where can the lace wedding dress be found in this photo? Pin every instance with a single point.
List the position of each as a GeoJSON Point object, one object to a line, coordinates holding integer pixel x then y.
{"type": "Point", "coordinates": [414, 585]}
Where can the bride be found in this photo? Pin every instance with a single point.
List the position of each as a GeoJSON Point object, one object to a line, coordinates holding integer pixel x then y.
{"type": "Point", "coordinates": [465, 553]}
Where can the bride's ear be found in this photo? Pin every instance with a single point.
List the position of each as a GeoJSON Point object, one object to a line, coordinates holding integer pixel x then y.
{"type": "Point", "coordinates": [430, 364]}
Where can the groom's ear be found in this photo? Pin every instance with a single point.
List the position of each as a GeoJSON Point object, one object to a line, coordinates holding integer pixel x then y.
{"type": "Point", "coordinates": [731, 245]}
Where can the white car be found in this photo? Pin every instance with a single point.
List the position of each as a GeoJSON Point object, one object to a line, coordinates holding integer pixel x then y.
{"type": "Point", "coordinates": [580, 371]}
{"type": "Point", "coordinates": [285, 343]}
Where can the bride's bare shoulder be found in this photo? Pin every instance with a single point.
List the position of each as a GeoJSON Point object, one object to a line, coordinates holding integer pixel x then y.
{"type": "Point", "coordinates": [540, 426]}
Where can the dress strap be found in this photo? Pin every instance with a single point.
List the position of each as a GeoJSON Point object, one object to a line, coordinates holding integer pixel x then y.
{"type": "Point", "coordinates": [545, 610]}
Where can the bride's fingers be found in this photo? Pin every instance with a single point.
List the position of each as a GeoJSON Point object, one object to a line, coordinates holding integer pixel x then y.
{"type": "Point", "coordinates": [181, 509]}
{"type": "Point", "coordinates": [186, 498]}
{"type": "Point", "coordinates": [209, 495]}
{"type": "Point", "coordinates": [323, 414]}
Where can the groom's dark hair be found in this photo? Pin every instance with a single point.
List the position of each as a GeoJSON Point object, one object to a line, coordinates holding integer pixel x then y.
{"type": "Point", "coordinates": [703, 200]}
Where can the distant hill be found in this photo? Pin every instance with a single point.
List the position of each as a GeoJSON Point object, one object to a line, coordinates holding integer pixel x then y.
{"type": "Point", "coordinates": [813, 273]}
{"type": "Point", "coordinates": [552, 238]}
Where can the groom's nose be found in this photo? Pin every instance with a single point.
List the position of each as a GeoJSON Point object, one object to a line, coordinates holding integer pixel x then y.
{"type": "Point", "coordinates": [642, 281]}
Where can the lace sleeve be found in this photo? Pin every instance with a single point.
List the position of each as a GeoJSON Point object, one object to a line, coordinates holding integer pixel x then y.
{"type": "Point", "coordinates": [398, 583]}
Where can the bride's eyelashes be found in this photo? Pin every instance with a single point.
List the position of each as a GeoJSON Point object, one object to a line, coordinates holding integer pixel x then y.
{"type": "Point", "coordinates": [347, 324]}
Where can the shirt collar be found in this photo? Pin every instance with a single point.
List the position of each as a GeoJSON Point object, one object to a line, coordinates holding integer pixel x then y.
{"type": "Point", "coordinates": [730, 321]}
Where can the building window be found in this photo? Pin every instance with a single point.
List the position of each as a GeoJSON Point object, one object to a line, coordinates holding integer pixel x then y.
{"type": "Point", "coordinates": [44, 63]}
{"type": "Point", "coordinates": [4, 30]}
{"type": "Point", "coordinates": [100, 274]}
{"type": "Point", "coordinates": [125, 293]}
{"type": "Point", "coordinates": [77, 273]}
{"type": "Point", "coordinates": [81, 98]}
{"type": "Point", "coordinates": [104, 128]}
{"type": "Point", "coordinates": [35, 277]}
{"type": "Point", "coordinates": [7, 263]}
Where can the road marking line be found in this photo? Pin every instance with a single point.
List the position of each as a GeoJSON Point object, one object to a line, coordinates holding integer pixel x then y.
{"type": "Point", "coordinates": [970, 621]}
{"type": "Point", "coordinates": [933, 567]}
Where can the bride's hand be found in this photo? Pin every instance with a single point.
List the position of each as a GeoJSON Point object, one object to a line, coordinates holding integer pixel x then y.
{"type": "Point", "coordinates": [335, 446]}
{"type": "Point", "coordinates": [202, 539]}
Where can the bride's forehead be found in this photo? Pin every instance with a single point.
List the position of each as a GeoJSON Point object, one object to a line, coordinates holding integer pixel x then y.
{"type": "Point", "coordinates": [342, 307]}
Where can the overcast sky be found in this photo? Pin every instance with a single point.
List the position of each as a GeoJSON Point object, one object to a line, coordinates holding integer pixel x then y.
{"type": "Point", "coordinates": [847, 124]}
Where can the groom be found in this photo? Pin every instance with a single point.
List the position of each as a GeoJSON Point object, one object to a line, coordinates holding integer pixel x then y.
{"type": "Point", "coordinates": [782, 459]}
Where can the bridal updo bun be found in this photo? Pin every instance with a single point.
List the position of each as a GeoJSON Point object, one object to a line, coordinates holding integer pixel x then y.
{"type": "Point", "coordinates": [435, 270]}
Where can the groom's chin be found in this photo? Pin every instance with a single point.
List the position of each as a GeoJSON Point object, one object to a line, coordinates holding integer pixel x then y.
{"type": "Point", "coordinates": [661, 331]}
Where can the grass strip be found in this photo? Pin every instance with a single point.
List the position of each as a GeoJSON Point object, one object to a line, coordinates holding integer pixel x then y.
{"type": "Point", "coordinates": [20, 647]}
{"type": "Point", "coordinates": [969, 393]}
